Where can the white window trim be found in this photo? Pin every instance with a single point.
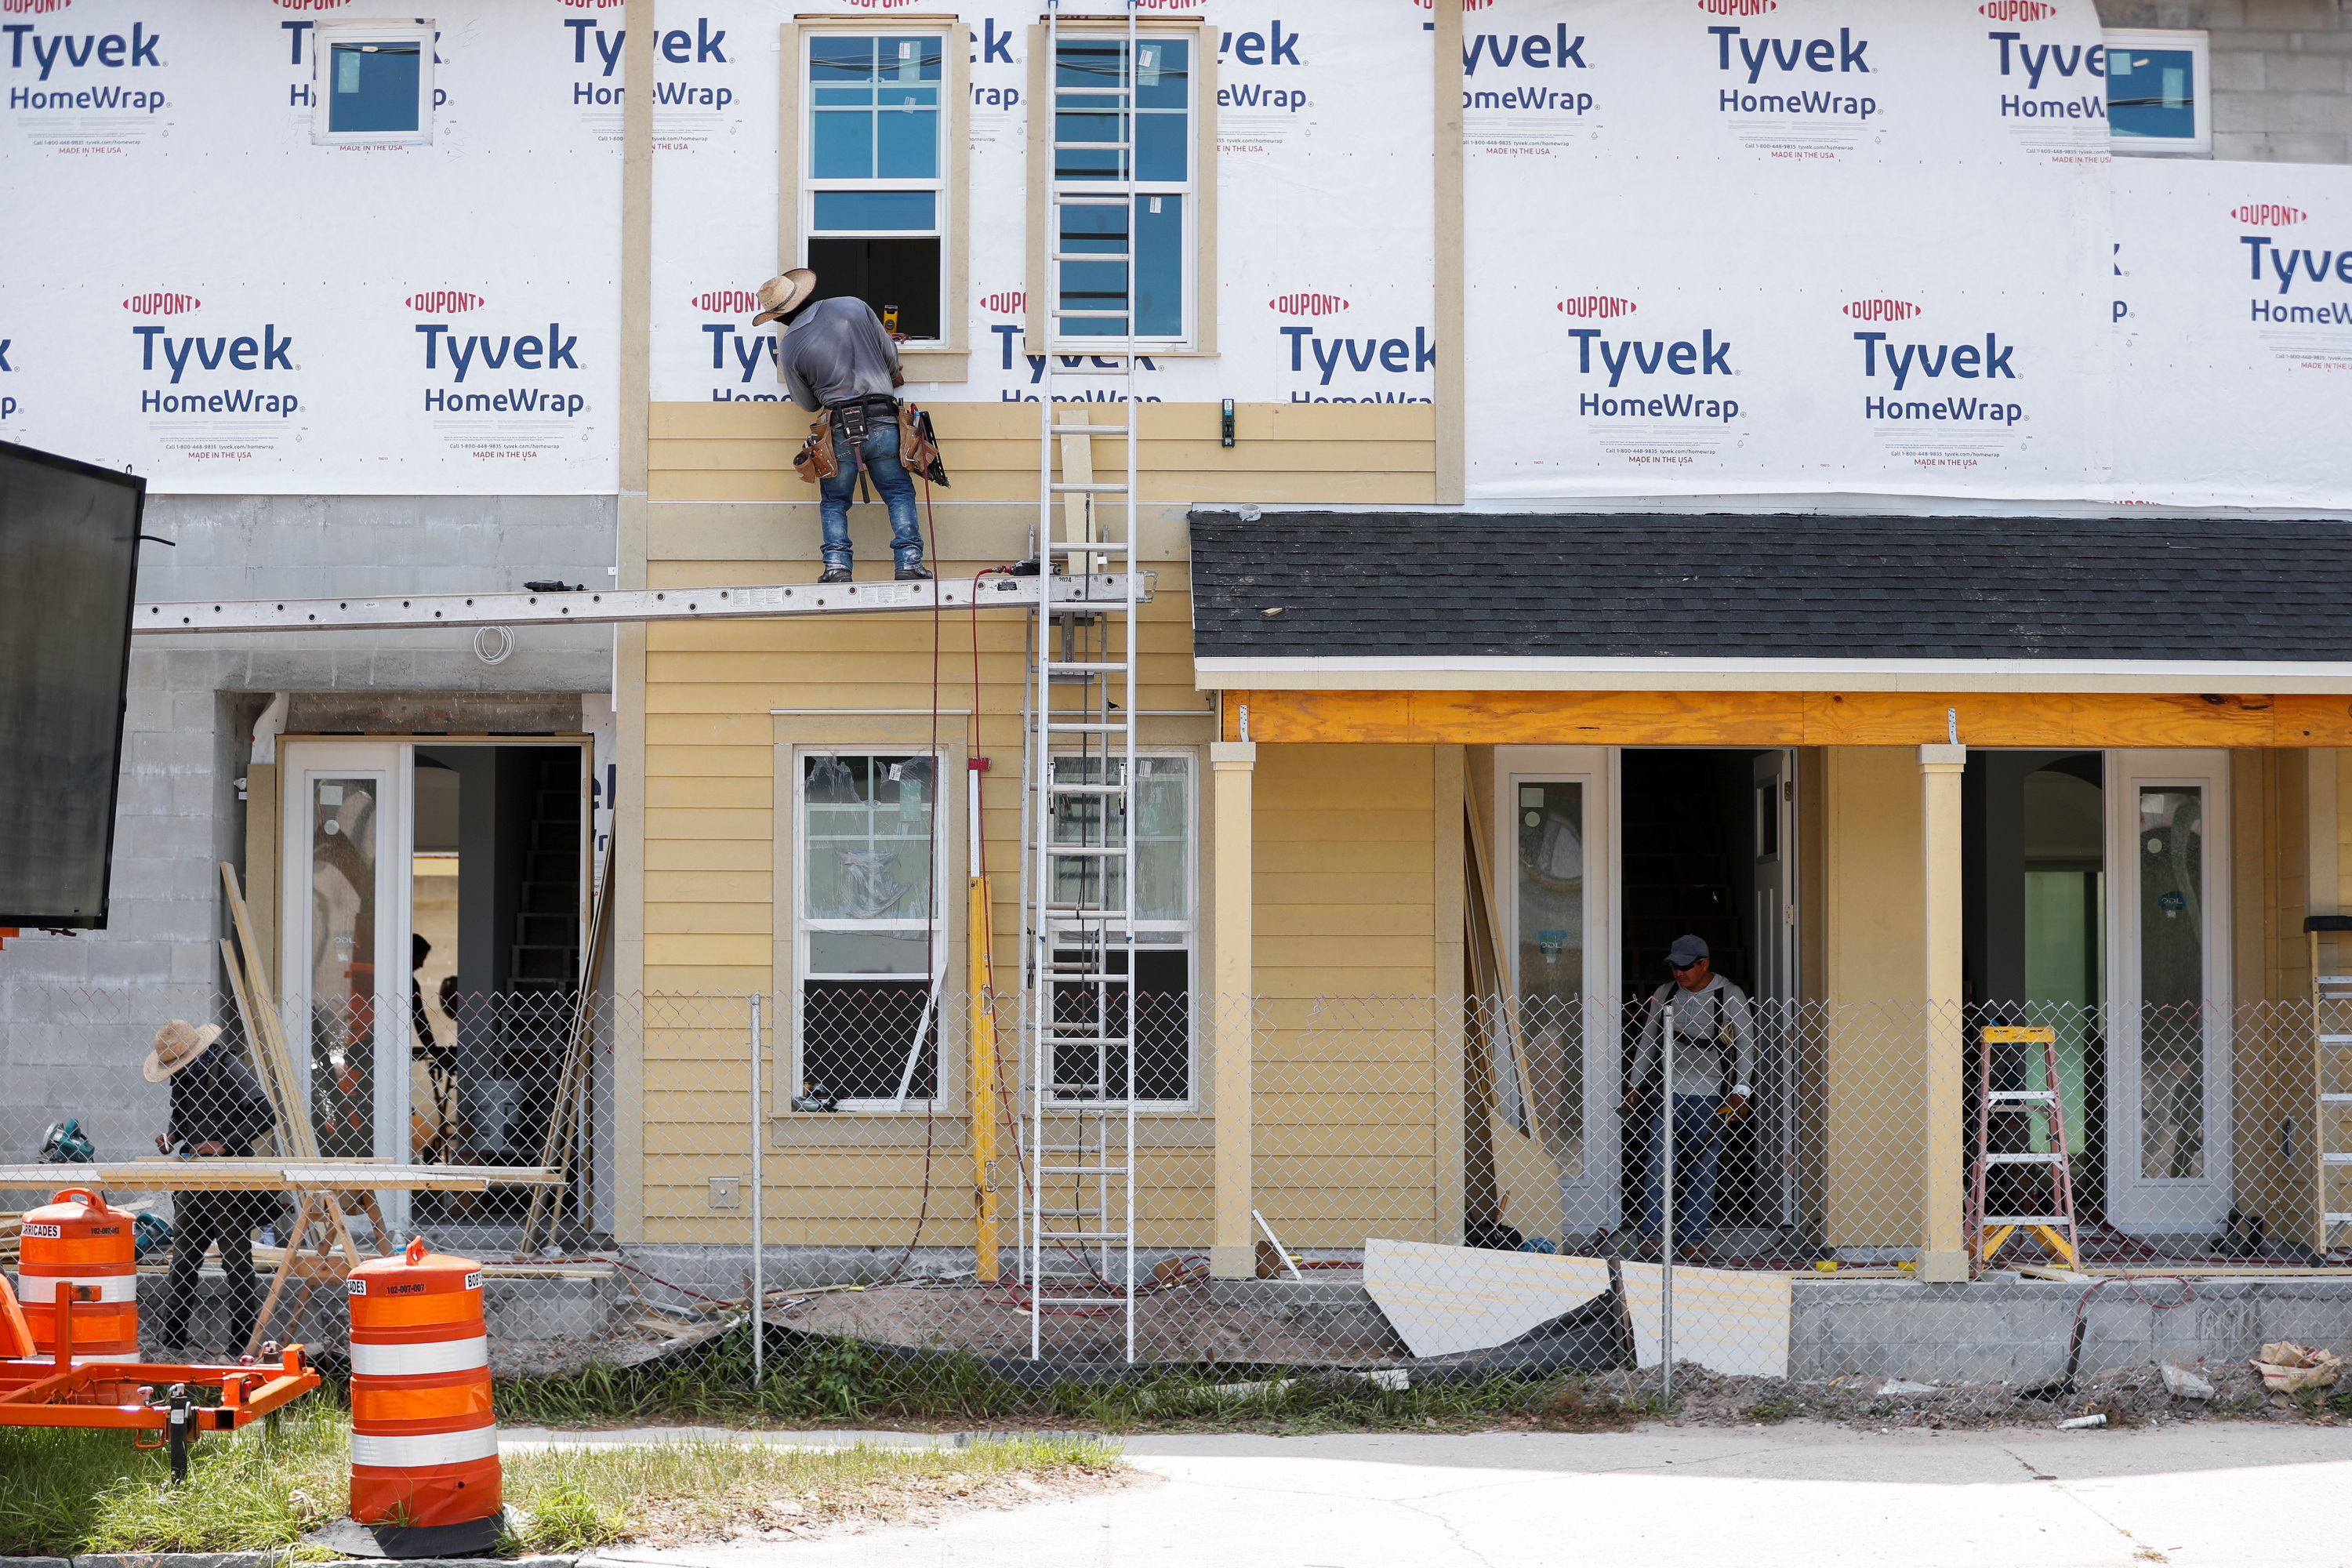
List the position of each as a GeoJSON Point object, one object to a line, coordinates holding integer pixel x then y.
{"type": "Point", "coordinates": [943, 824]}
{"type": "Point", "coordinates": [1200, 339]}
{"type": "Point", "coordinates": [326, 35]}
{"type": "Point", "coordinates": [2199, 46]}
{"type": "Point", "coordinates": [947, 360]}
{"type": "Point", "coordinates": [946, 199]}
{"type": "Point", "coordinates": [1191, 926]}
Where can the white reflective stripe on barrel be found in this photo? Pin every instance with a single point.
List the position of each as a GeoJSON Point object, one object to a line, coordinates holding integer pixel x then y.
{"type": "Point", "coordinates": [432, 1449]}
{"type": "Point", "coordinates": [41, 1290]}
{"type": "Point", "coordinates": [414, 1361]}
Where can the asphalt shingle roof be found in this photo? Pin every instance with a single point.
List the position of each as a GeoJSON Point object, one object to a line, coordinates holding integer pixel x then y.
{"type": "Point", "coordinates": [1506, 584]}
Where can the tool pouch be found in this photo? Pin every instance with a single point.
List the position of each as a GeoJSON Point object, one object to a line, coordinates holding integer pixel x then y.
{"type": "Point", "coordinates": [815, 459]}
{"type": "Point", "coordinates": [918, 445]}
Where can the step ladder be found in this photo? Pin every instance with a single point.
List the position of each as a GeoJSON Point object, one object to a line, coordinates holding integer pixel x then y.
{"type": "Point", "coordinates": [1077, 1209]}
{"type": "Point", "coordinates": [2331, 1049]}
{"type": "Point", "coordinates": [1989, 1233]}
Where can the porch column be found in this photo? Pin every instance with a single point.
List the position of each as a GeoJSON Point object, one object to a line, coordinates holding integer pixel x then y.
{"type": "Point", "coordinates": [1233, 1254]}
{"type": "Point", "coordinates": [1943, 1247]}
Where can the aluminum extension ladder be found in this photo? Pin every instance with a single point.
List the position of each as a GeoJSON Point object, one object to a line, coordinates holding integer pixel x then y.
{"type": "Point", "coordinates": [2331, 1006]}
{"type": "Point", "coordinates": [1078, 1207]}
{"type": "Point", "coordinates": [1989, 1233]}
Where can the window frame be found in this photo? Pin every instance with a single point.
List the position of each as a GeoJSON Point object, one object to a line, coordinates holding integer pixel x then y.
{"type": "Point", "coordinates": [1191, 925]}
{"type": "Point", "coordinates": [946, 766]}
{"type": "Point", "coordinates": [946, 358]}
{"type": "Point", "coordinates": [2198, 45]}
{"type": "Point", "coordinates": [326, 35]}
{"type": "Point", "coordinates": [1199, 292]}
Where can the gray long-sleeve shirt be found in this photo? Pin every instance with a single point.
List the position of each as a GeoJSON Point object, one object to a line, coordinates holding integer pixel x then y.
{"type": "Point", "coordinates": [835, 350]}
{"type": "Point", "coordinates": [1707, 1022]}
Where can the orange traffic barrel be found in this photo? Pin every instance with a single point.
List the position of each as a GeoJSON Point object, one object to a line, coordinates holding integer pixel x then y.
{"type": "Point", "coordinates": [78, 1249]}
{"type": "Point", "coordinates": [424, 1443]}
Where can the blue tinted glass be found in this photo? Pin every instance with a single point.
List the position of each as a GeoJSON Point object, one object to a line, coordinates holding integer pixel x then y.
{"type": "Point", "coordinates": [898, 95]}
{"type": "Point", "coordinates": [1159, 267]}
{"type": "Point", "coordinates": [1162, 150]}
{"type": "Point", "coordinates": [1159, 72]}
{"type": "Point", "coordinates": [1089, 63]}
{"type": "Point", "coordinates": [842, 146]}
{"type": "Point", "coordinates": [2152, 93]}
{"type": "Point", "coordinates": [843, 98]}
{"type": "Point", "coordinates": [856, 211]}
{"type": "Point", "coordinates": [1093, 286]}
{"type": "Point", "coordinates": [372, 87]}
{"type": "Point", "coordinates": [841, 59]}
{"type": "Point", "coordinates": [909, 145]}
{"type": "Point", "coordinates": [909, 59]}
{"type": "Point", "coordinates": [1094, 229]}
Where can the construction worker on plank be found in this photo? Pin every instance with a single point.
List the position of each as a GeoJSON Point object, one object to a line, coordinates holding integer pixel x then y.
{"type": "Point", "coordinates": [219, 1110]}
{"type": "Point", "coordinates": [1713, 1029]}
{"type": "Point", "coordinates": [837, 361]}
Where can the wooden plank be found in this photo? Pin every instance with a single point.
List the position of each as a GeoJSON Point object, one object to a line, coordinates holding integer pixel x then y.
{"type": "Point", "coordinates": [274, 1175]}
{"type": "Point", "coordinates": [1756, 719]}
{"type": "Point", "coordinates": [997, 420]}
{"type": "Point", "coordinates": [1168, 488]}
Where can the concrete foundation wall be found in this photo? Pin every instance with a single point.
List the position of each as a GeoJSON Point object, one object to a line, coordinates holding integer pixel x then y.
{"type": "Point", "coordinates": [76, 1012]}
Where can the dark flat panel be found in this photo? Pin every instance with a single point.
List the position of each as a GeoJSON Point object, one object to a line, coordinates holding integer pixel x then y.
{"type": "Point", "coordinates": [69, 566]}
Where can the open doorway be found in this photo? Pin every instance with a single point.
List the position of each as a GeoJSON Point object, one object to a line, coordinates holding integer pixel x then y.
{"type": "Point", "coordinates": [433, 897]}
{"type": "Point", "coordinates": [1707, 850]}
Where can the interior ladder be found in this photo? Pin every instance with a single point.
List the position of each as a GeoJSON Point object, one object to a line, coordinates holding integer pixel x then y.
{"type": "Point", "coordinates": [1077, 1209]}
{"type": "Point", "coordinates": [2330, 1043]}
{"type": "Point", "coordinates": [1989, 1233]}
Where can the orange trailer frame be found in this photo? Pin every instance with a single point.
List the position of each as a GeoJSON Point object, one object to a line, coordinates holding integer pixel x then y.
{"type": "Point", "coordinates": [51, 1391]}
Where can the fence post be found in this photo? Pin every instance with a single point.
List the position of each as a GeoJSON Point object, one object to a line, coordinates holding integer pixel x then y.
{"type": "Point", "coordinates": [758, 1213]}
{"type": "Point", "coordinates": [1233, 1249]}
{"type": "Point", "coordinates": [1666, 1214]}
{"type": "Point", "coordinates": [1943, 1245]}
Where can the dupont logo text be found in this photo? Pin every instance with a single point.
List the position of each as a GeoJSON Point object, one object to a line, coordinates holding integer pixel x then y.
{"type": "Point", "coordinates": [2268, 214]}
{"type": "Point", "coordinates": [444, 301]}
{"type": "Point", "coordinates": [1307, 304]}
{"type": "Point", "coordinates": [1596, 307]}
{"type": "Point", "coordinates": [1738, 7]}
{"type": "Point", "coordinates": [32, 7]}
{"type": "Point", "coordinates": [1005, 301]}
{"type": "Point", "coordinates": [311, 4]}
{"type": "Point", "coordinates": [162, 304]}
{"type": "Point", "coordinates": [726, 303]}
{"type": "Point", "coordinates": [1880, 309]}
{"type": "Point", "coordinates": [2017, 10]}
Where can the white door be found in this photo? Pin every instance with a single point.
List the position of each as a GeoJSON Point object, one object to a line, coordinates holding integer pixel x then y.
{"type": "Point", "coordinates": [2169, 1044]}
{"type": "Point", "coordinates": [347, 827]}
{"type": "Point", "coordinates": [1556, 814]}
{"type": "Point", "coordinates": [1774, 804]}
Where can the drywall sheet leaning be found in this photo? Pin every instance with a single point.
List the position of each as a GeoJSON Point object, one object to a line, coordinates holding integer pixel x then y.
{"type": "Point", "coordinates": [1444, 1300]}
{"type": "Point", "coordinates": [1795, 247]}
{"type": "Point", "coordinates": [2233, 317]}
{"type": "Point", "coordinates": [1725, 1321]}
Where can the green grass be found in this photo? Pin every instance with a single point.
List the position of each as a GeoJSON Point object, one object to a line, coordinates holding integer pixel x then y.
{"type": "Point", "coordinates": [63, 1491]}
{"type": "Point", "coordinates": [818, 1381]}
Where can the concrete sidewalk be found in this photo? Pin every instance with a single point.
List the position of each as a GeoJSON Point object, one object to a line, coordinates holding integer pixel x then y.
{"type": "Point", "coordinates": [1751, 1498]}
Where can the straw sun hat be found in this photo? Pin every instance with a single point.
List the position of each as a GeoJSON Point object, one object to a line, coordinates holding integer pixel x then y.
{"type": "Point", "coordinates": [177, 1044]}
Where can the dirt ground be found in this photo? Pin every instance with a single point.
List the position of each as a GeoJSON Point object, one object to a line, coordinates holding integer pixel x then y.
{"type": "Point", "coordinates": [1176, 1325]}
{"type": "Point", "coordinates": [920, 1502]}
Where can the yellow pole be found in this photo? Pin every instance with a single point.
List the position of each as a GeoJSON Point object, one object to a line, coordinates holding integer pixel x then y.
{"type": "Point", "coordinates": [983, 1089]}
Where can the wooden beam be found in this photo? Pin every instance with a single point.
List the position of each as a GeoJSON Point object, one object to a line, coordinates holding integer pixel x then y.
{"type": "Point", "coordinates": [2051, 720]}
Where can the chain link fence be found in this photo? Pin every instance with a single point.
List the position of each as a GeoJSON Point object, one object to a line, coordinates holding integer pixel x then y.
{"type": "Point", "coordinates": [1424, 1186]}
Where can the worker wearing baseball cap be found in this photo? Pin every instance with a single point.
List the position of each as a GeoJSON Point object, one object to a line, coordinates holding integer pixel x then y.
{"type": "Point", "coordinates": [1714, 1030]}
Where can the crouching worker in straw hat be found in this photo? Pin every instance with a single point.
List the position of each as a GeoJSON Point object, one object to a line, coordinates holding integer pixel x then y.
{"type": "Point", "coordinates": [1713, 1029]}
{"type": "Point", "coordinates": [218, 1109]}
{"type": "Point", "coordinates": [837, 361]}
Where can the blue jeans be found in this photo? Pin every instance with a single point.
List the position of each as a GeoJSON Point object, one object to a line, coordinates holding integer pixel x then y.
{"type": "Point", "coordinates": [890, 477]}
{"type": "Point", "coordinates": [1698, 1140]}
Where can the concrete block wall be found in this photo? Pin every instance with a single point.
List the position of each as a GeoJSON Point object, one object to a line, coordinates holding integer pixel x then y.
{"type": "Point", "coordinates": [76, 1012]}
{"type": "Point", "coordinates": [2281, 86]}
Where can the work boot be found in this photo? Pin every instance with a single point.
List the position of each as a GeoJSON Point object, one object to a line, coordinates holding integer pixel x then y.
{"type": "Point", "coordinates": [1648, 1250]}
{"type": "Point", "coordinates": [835, 574]}
{"type": "Point", "coordinates": [914, 572]}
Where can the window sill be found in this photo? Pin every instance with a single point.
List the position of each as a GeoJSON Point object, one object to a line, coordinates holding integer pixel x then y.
{"type": "Point", "coordinates": [935, 365]}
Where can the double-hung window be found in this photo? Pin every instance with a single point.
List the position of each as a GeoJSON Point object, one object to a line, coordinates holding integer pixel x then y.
{"type": "Point", "coordinates": [2158, 92]}
{"type": "Point", "coordinates": [871, 945]}
{"type": "Point", "coordinates": [874, 181]}
{"type": "Point", "coordinates": [371, 82]}
{"type": "Point", "coordinates": [1165, 935]}
{"type": "Point", "coordinates": [1124, 263]}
